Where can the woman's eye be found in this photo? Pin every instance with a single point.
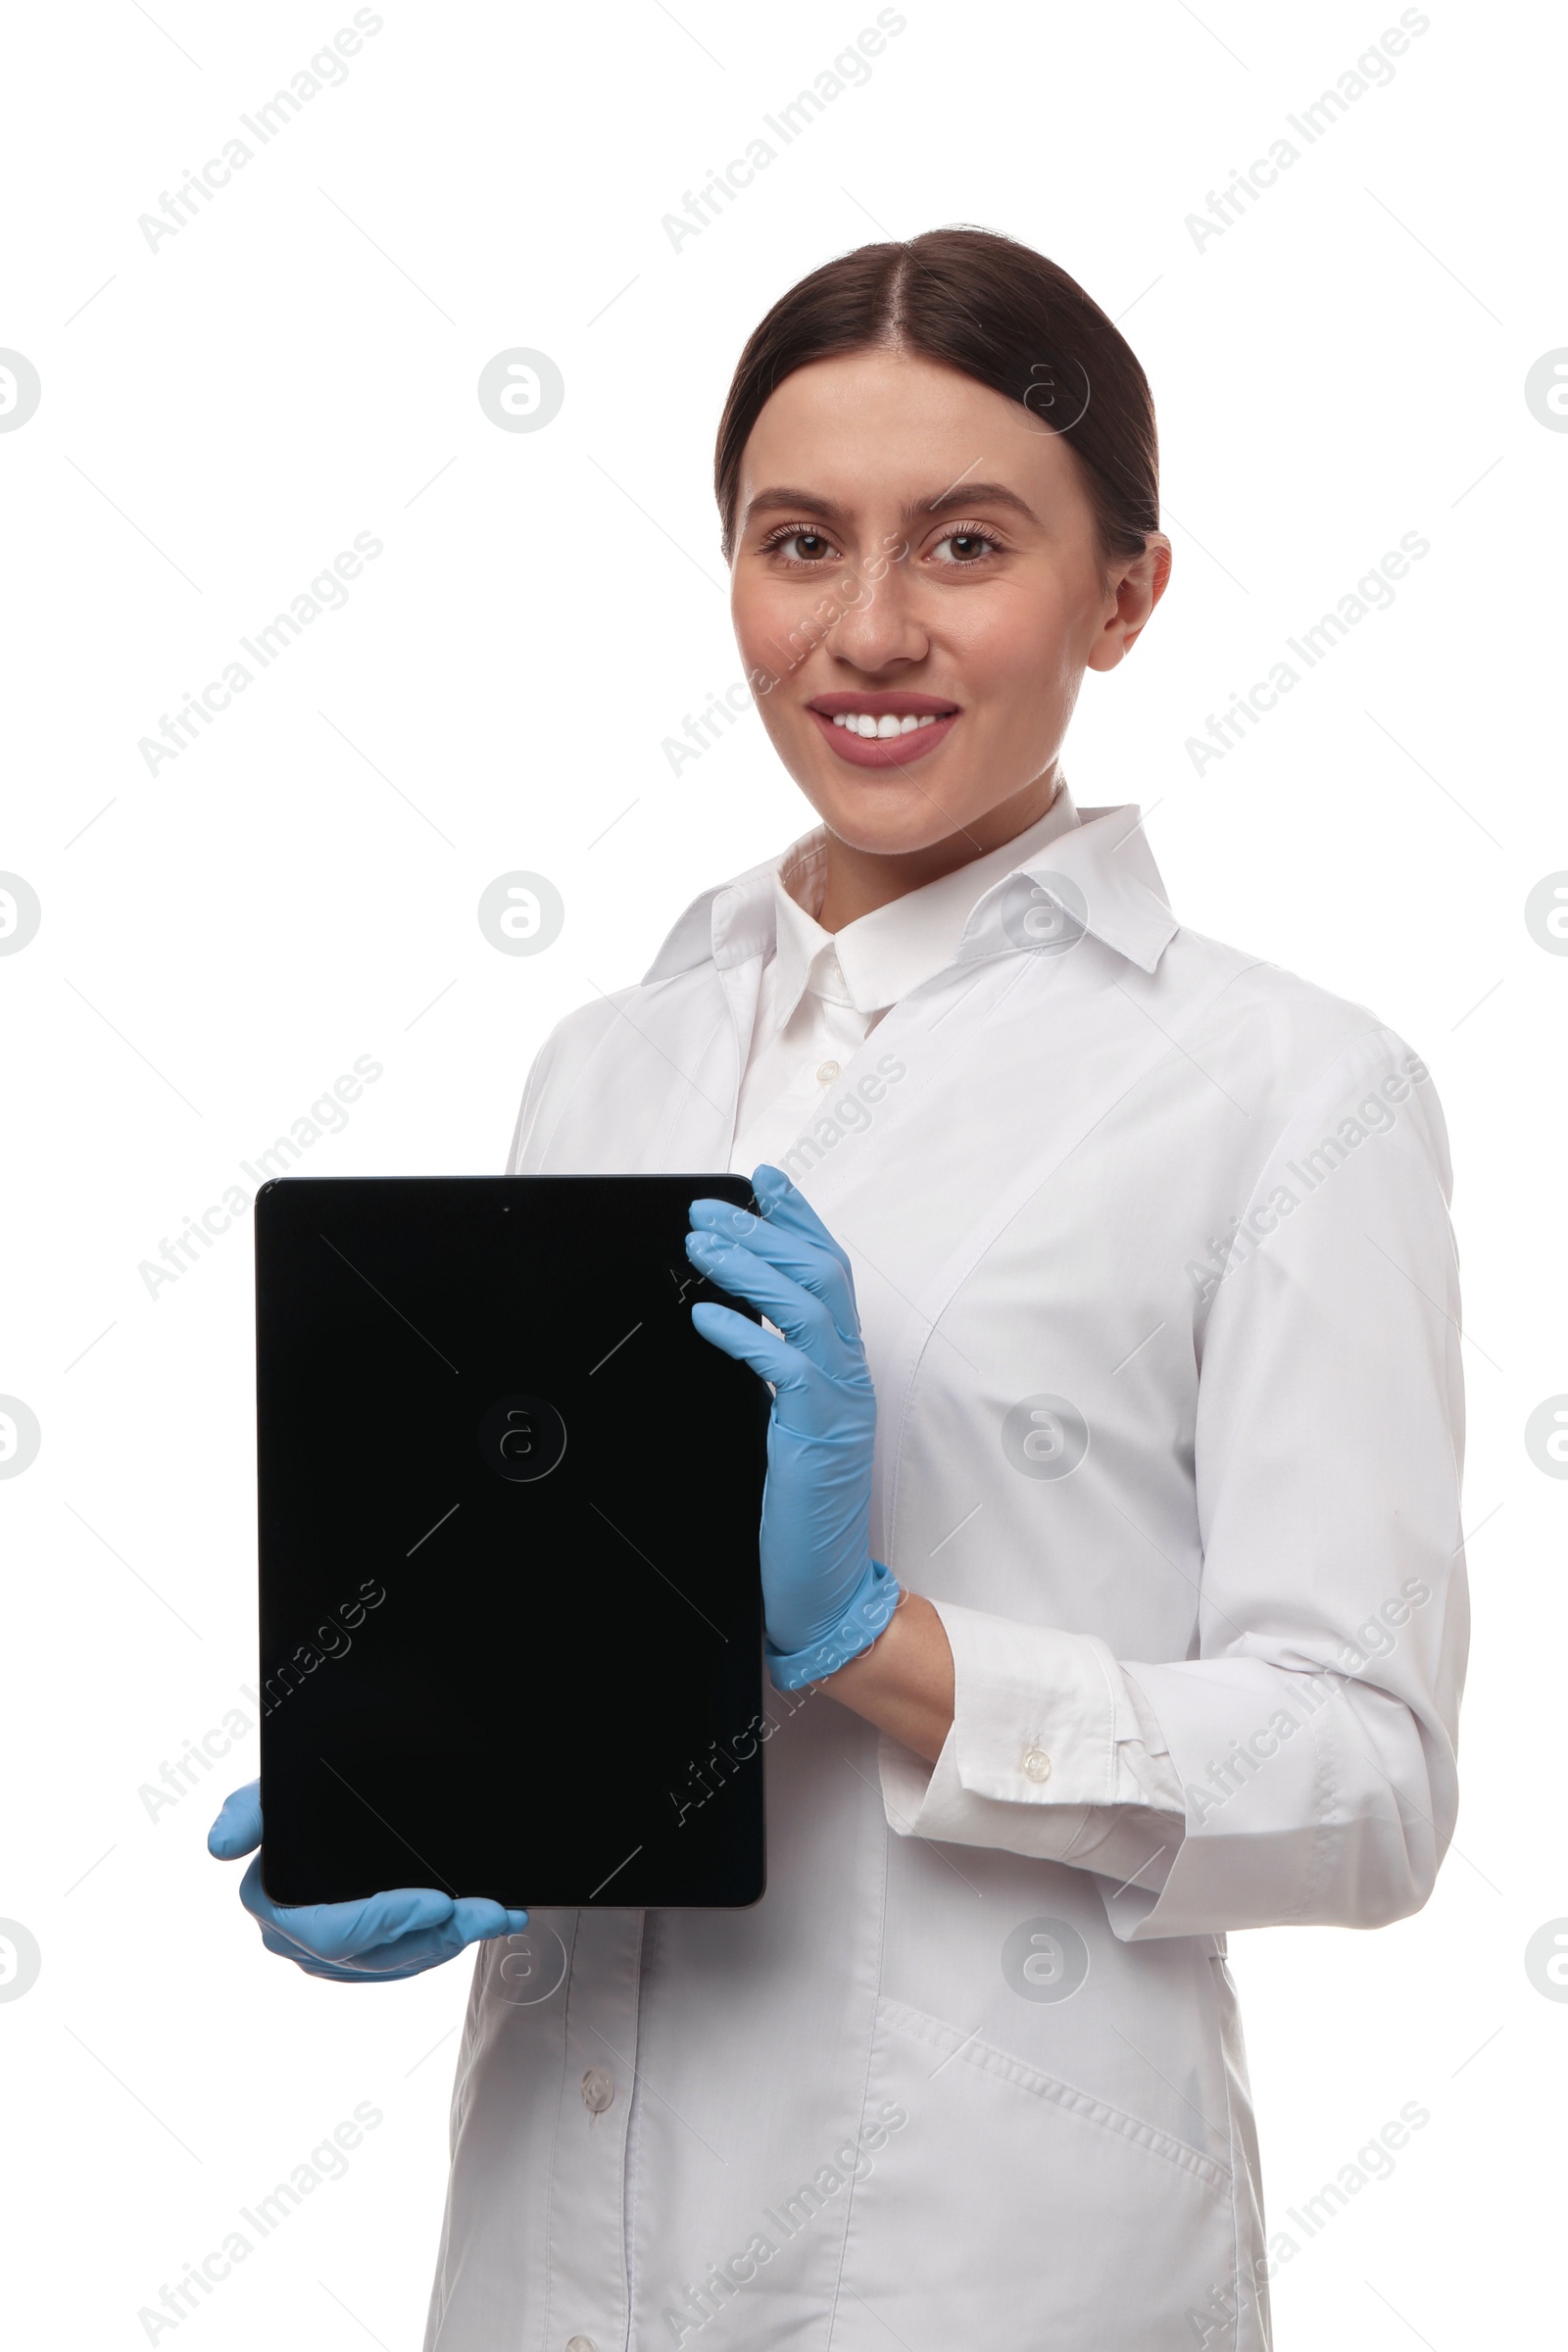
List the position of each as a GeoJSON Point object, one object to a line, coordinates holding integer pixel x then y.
{"type": "Point", "coordinates": [803, 547]}
{"type": "Point", "coordinates": [964, 547]}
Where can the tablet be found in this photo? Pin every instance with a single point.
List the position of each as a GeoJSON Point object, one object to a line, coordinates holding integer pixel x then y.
{"type": "Point", "coordinates": [509, 1501]}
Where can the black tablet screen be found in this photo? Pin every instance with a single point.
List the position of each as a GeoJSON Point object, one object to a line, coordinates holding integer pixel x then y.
{"type": "Point", "coordinates": [511, 1615]}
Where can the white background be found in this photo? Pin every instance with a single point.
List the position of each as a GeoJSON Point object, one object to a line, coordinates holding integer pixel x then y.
{"type": "Point", "coordinates": [219, 416]}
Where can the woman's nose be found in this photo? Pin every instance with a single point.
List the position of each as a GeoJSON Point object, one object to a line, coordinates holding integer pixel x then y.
{"type": "Point", "coordinates": [877, 622]}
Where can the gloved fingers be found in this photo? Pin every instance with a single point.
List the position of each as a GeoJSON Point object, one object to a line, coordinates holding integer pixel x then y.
{"type": "Point", "coordinates": [803, 1317]}
{"type": "Point", "coordinates": [791, 1236]}
{"type": "Point", "coordinates": [238, 1828]}
{"type": "Point", "coordinates": [472, 1920]}
{"type": "Point", "coordinates": [404, 1958]}
{"type": "Point", "coordinates": [477, 1920]}
{"type": "Point", "coordinates": [382, 1919]}
{"type": "Point", "coordinates": [429, 1948]}
{"type": "Point", "coordinates": [325, 1974]}
{"type": "Point", "coordinates": [287, 1949]}
{"type": "Point", "coordinates": [377, 1968]}
{"type": "Point", "coordinates": [787, 1212]}
{"type": "Point", "coordinates": [394, 1934]}
{"type": "Point", "coordinates": [811, 1271]}
{"type": "Point", "coordinates": [342, 1932]}
{"type": "Point", "coordinates": [785, 1206]}
{"type": "Point", "coordinates": [808, 1404]}
{"type": "Point", "coordinates": [298, 1928]}
{"type": "Point", "coordinates": [769, 1357]}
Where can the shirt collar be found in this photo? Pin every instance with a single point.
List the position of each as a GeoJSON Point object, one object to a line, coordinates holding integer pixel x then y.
{"type": "Point", "coordinates": [1099, 878]}
{"type": "Point", "coordinates": [873, 962]}
{"type": "Point", "coordinates": [1094, 864]}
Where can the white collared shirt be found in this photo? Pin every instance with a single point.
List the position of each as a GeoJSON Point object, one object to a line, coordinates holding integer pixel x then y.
{"type": "Point", "coordinates": [1152, 1261]}
{"type": "Point", "coordinates": [822, 993]}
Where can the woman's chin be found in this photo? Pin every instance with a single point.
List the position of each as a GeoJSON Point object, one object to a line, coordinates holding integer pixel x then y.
{"type": "Point", "coordinates": [877, 828]}
{"type": "Point", "coordinates": [882, 810]}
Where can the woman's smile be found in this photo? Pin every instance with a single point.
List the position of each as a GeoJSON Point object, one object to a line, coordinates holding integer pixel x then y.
{"type": "Point", "coordinates": [883, 730]}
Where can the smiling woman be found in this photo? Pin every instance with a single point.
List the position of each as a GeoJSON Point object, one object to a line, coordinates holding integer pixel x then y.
{"type": "Point", "coordinates": [1126, 1583]}
{"type": "Point", "coordinates": [937, 475]}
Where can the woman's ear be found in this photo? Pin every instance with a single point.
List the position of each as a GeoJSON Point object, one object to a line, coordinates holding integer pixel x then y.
{"type": "Point", "coordinates": [1136, 588]}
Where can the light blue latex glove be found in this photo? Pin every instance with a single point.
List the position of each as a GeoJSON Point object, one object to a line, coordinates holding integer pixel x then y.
{"type": "Point", "coordinates": [386, 1938]}
{"type": "Point", "coordinates": [824, 1598]}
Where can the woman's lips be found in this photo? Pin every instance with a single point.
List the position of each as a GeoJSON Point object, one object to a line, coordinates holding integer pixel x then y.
{"type": "Point", "coordinates": [829, 710]}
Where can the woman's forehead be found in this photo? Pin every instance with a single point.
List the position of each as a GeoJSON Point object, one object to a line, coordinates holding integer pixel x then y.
{"type": "Point", "coordinates": [893, 426]}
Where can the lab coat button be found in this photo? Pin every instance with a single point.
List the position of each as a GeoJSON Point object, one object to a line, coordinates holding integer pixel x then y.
{"type": "Point", "coordinates": [581, 2343]}
{"type": "Point", "coordinates": [598, 2089]}
{"type": "Point", "coordinates": [826, 1072]}
{"type": "Point", "coordinates": [1037, 1764]}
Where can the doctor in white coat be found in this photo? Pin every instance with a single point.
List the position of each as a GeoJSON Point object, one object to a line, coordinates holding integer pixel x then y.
{"type": "Point", "coordinates": [1117, 1267]}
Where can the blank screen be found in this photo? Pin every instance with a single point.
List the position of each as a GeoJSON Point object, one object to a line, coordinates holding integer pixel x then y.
{"type": "Point", "coordinates": [509, 1504]}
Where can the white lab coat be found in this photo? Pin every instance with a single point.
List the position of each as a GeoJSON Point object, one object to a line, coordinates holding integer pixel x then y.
{"type": "Point", "coordinates": [1159, 1298]}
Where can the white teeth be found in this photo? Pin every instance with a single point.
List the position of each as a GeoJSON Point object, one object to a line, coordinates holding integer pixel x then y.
{"type": "Point", "coordinates": [859, 722]}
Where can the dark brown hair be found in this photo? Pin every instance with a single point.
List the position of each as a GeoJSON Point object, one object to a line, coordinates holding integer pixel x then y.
{"type": "Point", "coordinates": [994, 309]}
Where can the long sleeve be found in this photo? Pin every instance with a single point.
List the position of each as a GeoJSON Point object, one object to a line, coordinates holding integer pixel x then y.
{"type": "Point", "coordinates": [1053, 1751]}
{"type": "Point", "coordinates": [1310, 1732]}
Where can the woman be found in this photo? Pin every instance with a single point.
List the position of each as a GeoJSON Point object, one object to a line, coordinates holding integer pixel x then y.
{"type": "Point", "coordinates": [1111, 1546]}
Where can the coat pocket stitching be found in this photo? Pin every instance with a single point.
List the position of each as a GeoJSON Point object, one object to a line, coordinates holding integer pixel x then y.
{"type": "Point", "coordinates": [919, 2026]}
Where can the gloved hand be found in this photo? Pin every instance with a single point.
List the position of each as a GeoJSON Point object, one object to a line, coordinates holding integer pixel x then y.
{"type": "Point", "coordinates": [825, 1598]}
{"type": "Point", "coordinates": [374, 1943]}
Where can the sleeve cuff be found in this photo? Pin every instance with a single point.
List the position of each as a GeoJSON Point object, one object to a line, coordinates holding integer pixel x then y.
{"type": "Point", "coordinates": [929, 1801]}
{"type": "Point", "coordinates": [1040, 1716]}
{"type": "Point", "coordinates": [1047, 1733]}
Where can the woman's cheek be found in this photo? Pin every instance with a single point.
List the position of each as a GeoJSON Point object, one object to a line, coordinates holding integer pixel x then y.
{"type": "Point", "coordinates": [764, 614]}
{"type": "Point", "coordinates": [1025, 657]}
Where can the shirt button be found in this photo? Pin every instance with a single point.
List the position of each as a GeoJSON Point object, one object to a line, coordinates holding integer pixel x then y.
{"type": "Point", "coordinates": [1036, 1763]}
{"type": "Point", "coordinates": [581, 2343]}
{"type": "Point", "coordinates": [826, 1072]}
{"type": "Point", "coordinates": [598, 2089]}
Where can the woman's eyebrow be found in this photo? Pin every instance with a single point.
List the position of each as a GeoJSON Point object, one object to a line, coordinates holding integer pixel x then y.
{"type": "Point", "coordinates": [781, 498]}
{"type": "Point", "coordinates": [970, 494]}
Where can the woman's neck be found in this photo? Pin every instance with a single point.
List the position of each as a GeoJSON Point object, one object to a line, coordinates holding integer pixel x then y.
{"type": "Point", "coordinates": [856, 882]}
